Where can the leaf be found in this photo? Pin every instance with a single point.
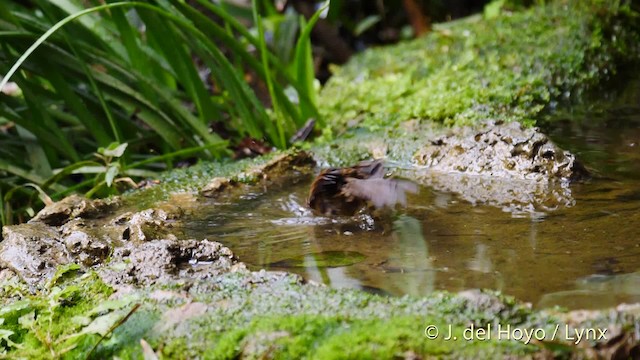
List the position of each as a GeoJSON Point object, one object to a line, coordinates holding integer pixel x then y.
{"type": "Point", "coordinates": [112, 172]}
{"type": "Point", "coordinates": [4, 335]}
{"type": "Point", "coordinates": [366, 24]}
{"type": "Point", "coordinates": [46, 35]}
{"type": "Point", "coordinates": [61, 173]}
{"type": "Point", "coordinates": [18, 307]}
{"type": "Point", "coordinates": [90, 170]}
{"type": "Point", "coordinates": [304, 70]}
{"type": "Point", "coordinates": [114, 150]}
{"type": "Point", "coordinates": [147, 351]}
{"type": "Point", "coordinates": [102, 324]}
{"type": "Point", "coordinates": [112, 305]}
{"type": "Point", "coordinates": [277, 137]}
{"type": "Point", "coordinates": [28, 320]}
{"type": "Point", "coordinates": [62, 273]}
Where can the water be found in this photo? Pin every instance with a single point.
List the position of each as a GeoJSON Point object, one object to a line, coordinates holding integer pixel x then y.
{"type": "Point", "coordinates": [585, 256]}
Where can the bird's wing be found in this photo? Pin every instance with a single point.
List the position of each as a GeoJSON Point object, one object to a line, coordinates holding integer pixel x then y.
{"type": "Point", "coordinates": [380, 192]}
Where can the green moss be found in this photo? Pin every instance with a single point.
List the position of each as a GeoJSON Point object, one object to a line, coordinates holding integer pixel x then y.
{"type": "Point", "coordinates": [264, 315]}
{"type": "Point", "coordinates": [340, 337]}
{"type": "Point", "coordinates": [49, 323]}
{"type": "Point", "coordinates": [284, 319]}
{"type": "Point", "coordinates": [508, 67]}
{"type": "Point", "coordinates": [193, 178]}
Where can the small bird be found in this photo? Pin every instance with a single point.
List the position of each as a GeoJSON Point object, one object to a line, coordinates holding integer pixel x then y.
{"type": "Point", "coordinates": [344, 191]}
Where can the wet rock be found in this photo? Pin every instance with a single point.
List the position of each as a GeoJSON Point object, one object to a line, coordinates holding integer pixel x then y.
{"type": "Point", "coordinates": [6, 275]}
{"type": "Point", "coordinates": [83, 236]}
{"type": "Point", "coordinates": [151, 224]}
{"type": "Point", "coordinates": [481, 301]}
{"type": "Point", "coordinates": [74, 206]}
{"type": "Point", "coordinates": [32, 251]}
{"type": "Point", "coordinates": [148, 224]}
{"type": "Point", "coordinates": [519, 197]}
{"type": "Point", "coordinates": [507, 151]}
{"type": "Point", "coordinates": [509, 166]}
{"type": "Point", "coordinates": [86, 249]}
{"type": "Point", "coordinates": [517, 169]}
{"type": "Point", "coordinates": [166, 260]}
{"type": "Point", "coordinates": [620, 341]}
{"type": "Point", "coordinates": [279, 165]}
{"type": "Point", "coordinates": [215, 186]}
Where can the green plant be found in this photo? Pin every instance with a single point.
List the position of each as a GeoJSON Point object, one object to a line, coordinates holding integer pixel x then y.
{"type": "Point", "coordinates": [132, 73]}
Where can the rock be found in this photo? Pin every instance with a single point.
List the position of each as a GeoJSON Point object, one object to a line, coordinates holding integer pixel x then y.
{"type": "Point", "coordinates": [150, 224]}
{"type": "Point", "coordinates": [165, 260]}
{"type": "Point", "coordinates": [87, 249]}
{"type": "Point", "coordinates": [279, 165]}
{"type": "Point", "coordinates": [507, 151]}
{"type": "Point", "coordinates": [84, 236]}
{"type": "Point", "coordinates": [32, 251]}
{"type": "Point", "coordinates": [74, 206]}
{"type": "Point", "coordinates": [480, 301]}
{"type": "Point", "coordinates": [505, 165]}
{"type": "Point", "coordinates": [215, 186]}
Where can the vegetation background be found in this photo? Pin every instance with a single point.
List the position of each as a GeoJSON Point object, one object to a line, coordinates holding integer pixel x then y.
{"type": "Point", "coordinates": [98, 95]}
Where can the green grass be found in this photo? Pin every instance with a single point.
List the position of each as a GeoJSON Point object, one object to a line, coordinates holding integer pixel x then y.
{"type": "Point", "coordinates": [121, 73]}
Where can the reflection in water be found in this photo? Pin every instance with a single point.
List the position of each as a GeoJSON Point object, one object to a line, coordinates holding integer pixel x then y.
{"type": "Point", "coordinates": [410, 256]}
{"type": "Point", "coordinates": [413, 246]}
{"type": "Point", "coordinates": [597, 291]}
{"type": "Point", "coordinates": [326, 259]}
{"type": "Point", "coordinates": [582, 256]}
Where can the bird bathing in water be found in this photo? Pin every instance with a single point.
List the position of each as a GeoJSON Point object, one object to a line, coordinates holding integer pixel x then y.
{"type": "Point", "coordinates": [345, 191]}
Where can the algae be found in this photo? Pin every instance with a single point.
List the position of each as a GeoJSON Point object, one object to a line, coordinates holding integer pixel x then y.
{"type": "Point", "coordinates": [54, 322]}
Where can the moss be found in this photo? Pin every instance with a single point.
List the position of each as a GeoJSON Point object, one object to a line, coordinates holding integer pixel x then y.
{"type": "Point", "coordinates": [508, 67]}
{"type": "Point", "coordinates": [339, 337]}
{"type": "Point", "coordinates": [282, 318]}
{"type": "Point", "coordinates": [336, 336]}
{"type": "Point", "coordinates": [267, 315]}
{"type": "Point", "coordinates": [193, 178]}
{"type": "Point", "coordinates": [48, 324]}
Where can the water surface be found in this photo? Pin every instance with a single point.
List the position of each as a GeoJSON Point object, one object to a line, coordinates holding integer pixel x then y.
{"type": "Point", "coordinates": [585, 256]}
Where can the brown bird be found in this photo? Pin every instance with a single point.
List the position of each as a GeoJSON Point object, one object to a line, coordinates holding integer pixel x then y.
{"type": "Point", "coordinates": [344, 191]}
